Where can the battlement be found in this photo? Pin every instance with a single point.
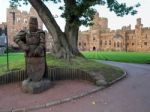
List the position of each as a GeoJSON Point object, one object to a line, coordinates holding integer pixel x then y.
{"type": "Point", "coordinates": [17, 11]}
{"type": "Point", "coordinates": [146, 28]}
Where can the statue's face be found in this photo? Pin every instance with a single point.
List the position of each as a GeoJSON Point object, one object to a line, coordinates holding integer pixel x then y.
{"type": "Point", "coordinates": [33, 24]}
{"type": "Point", "coordinates": [33, 27]}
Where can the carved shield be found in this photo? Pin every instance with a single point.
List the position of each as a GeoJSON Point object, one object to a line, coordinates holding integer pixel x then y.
{"type": "Point", "coordinates": [35, 67]}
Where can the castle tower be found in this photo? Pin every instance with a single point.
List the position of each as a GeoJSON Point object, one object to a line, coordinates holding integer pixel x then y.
{"type": "Point", "coordinates": [99, 23]}
{"type": "Point", "coordinates": [138, 21]}
{"type": "Point", "coordinates": [139, 24]}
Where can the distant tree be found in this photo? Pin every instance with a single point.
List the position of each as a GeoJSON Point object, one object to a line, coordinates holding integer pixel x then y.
{"type": "Point", "coordinates": [75, 13]}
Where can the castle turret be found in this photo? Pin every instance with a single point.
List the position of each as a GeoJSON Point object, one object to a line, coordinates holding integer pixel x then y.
{"type": "Point", "coordinates": [99, 23]}
{"type": "Point", "coordinates": [138, 23]}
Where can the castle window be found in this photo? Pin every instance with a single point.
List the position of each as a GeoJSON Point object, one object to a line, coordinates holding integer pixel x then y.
{"type": "Point", "coordinates": [101, 42]}
{"type": "Point", "coordinates": [93, 38]}
{"type": "Point", "coordinates": [25, 21]}
{"type": "Point", "coordinates": [145, 43]}
{"type": "Point", "coordinates": [120, 44]}
{"type": "Point", "coordinates": [117, 44]}
{"type": "Point", "coordinates": [84, 44]}
{"type": "Point", "coordinates": [114, 44]}
{"type": "Point", "coordinates": [146, 36]}
{"type": "Point", "coordinates": [79, 43]}
{"type": "Point", "coordinates": [132, 44]}
{"type": "Point", "coordinates": [18, 20]}
{"type": "Point", "coordinates": [105, 42]}
{"type": "Point", "coordinates": [110, 42]}
{"type": "Point", "coordinates": [13, 17]}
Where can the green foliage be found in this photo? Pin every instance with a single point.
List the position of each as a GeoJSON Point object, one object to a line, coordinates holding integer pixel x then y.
{"type": "Point", "coordinates": [16, 3]}
{"type": "Point", "coordinates": [121, 9]}
{"type": "Point", "coordinates": [81, 12]}
{"type": "Point", "coordinates": [130, 57]}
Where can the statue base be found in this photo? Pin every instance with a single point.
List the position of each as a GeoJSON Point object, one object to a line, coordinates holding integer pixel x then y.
{"type": "Point", "coordinates": [35, 87]}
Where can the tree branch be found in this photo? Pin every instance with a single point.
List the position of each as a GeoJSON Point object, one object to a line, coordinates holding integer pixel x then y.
{"type": "Point", "coordinates": [46, 16]}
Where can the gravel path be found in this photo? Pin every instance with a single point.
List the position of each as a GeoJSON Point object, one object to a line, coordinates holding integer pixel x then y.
{"type": "Point", "coordinates": [129, 95]}
{"type": "Point", "coordinates": [11, 96]}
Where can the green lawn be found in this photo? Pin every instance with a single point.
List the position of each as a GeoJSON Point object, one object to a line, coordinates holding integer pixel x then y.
{"type": "Point", "coordinates": [130, 57]}
{"type": "Point", "coordinates": [16, 61]}
{"type": "Point", "coordinates": [13, 57]}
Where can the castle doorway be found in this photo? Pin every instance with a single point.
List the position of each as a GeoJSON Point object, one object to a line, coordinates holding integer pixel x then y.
{"type": "Point", "coordinates": [94, 48]}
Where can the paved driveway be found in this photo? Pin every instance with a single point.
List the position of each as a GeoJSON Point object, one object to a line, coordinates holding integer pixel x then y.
{"type": "Point", "coordinates": [129, 95]}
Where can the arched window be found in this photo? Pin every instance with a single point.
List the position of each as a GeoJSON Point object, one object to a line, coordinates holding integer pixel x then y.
{"type": "Point", "coordinates": [118, 44]}
{"type": "Point", "coordinates": [114, 44]}
{"type": "Point", "coordinates": [79, 43]}
{"type": "Point", "coordinates": [93, 38]}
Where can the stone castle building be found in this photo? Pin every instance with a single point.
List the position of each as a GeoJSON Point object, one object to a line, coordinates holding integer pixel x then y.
{"type": "Point", "coordinates": [18, 20]}
{"type": "Point", "coordinates": [101, 38]}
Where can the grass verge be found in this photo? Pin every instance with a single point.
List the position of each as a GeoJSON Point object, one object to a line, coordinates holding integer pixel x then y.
{"type": "Point", "coordinates": [130, 57]}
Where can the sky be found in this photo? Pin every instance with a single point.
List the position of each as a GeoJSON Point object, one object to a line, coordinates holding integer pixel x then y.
{"type": "Point", "coordinates": [114, 22]}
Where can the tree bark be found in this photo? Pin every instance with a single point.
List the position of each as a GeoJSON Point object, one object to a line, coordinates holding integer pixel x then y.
{"type": "Point", "coordinates": [72, 36]}
{"type": "Point", "coordinates": [61, 46]}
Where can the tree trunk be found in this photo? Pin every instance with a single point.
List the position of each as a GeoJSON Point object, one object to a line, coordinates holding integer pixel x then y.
{"type": "Point", "coordinates": [72, 36]}
{"type": "Point", "coordinates": [61, 46]}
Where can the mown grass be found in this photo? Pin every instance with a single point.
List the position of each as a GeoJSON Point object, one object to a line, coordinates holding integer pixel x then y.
{"type": "Point", "coordinates": [130, 57]}
{"type": "Point", "coordinates": [17, 62]}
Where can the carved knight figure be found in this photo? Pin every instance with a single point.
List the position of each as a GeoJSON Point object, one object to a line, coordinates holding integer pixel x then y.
{"type": "Point", "coordinates": [32, 42]}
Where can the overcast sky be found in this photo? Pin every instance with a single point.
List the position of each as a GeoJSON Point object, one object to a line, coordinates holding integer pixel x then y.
{"type": "Point", "coordinates": [114, 22]}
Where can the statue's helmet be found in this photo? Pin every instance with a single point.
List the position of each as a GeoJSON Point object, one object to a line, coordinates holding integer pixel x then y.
{"type": "Point", "coordinates": [33, 24]}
